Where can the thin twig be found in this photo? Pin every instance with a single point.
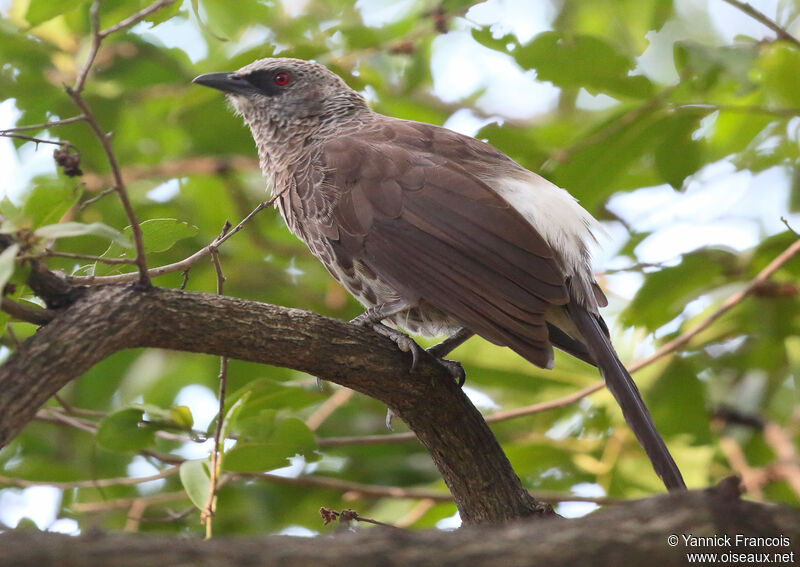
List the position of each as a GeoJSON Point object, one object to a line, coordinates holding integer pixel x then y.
{"type": "Point", "coordinates": [56, 254]}
{"type": "Point", "coordinates": [347, 516]}
{"type": "Point", "coordinates": [747, 109]}
{"type": "Point", "coordinates": [378, 491]}
{"type": "Point", "coordinates": [752, 479]}
{"type": "Point", "coordinates": [97, 197]}
{"type": "Point", "coordinates": [135, 18]}
{"type": "Point", "coordinates": [788, 464]}
{"type": "Point", "coordinates": [764, 19]}
{"type": "Point", "coordinates": [208, 511]}
{"type": "Point", "coordinates": [44, 125]}
{"type": "Point", "coordinates": [61, 143]}
{"type": "Point", "coordinates": [75, 94]}
{"type": "Point", "coordinates": [97, 483]}
{"type": "Point", "coordinates": [134, 518]}
{"type": "Point", "coordinates": [329, 406]}
{"type": "Point", "coordinates": [27, 314]}
{"type": "Point", "coordinates": [726, 306]}
{"type": "Point", "coordinates": [94, 19]}
{"type": "Point", "coordinates": [181, 266]}
{"type": "Point", "coordinates": [119, 186]}
{"type": "Point", "coordinates": [106, 505]}
{"type": "Point", "coordinates": [785, 221]}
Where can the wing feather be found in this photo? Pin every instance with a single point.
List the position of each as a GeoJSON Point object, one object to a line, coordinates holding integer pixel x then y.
{"type": "Point", "coordinates": [440, 235]}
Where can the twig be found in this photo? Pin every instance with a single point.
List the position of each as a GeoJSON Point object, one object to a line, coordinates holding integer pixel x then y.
{"type": "Point", "coordinates": [135, 513]}
{"type": "Point", "coordinates": [94, 19]}
{"type": "Point", "coordinates": [378, 491]}
{"type": "Point", "coordinates": [347, 516]}
{"type": "Point", "coordinates": [208, 511]}
{"type": "Point", "coordinates": [788, 465]}
{"type": "Point", "coordinates": [785, 221]}
{"type": "Point", "coordinates": [328, 407]}
{"type": "Point", "coordinates": [135, 18]}
{"type": "Point", "coordinates": [56, 254]}
{"type": "Point", "coordinates": [415, 514]}
{"type": "Point", "coordinates": [106, 505]}
{"type": "Point", "coordinates": [24, 313]}
{"type": "Point", "coordinates": [49, 415]}
{"type": "Point", "coordinates": [119, 185]}
{"type": "Point", "coordinates": [545, 406]}
{"type": "Point", "coordinates": [96, 198]}
{"type": "Point", "coordinates": [75, 94]}
{"type": "Point", "coordinates": [181, 266]}
{"type": "Point", "coordinates": [752, 479]}
{"type": "Point", "coordinates": [61, 143]}
{"type": "Point", "coordinates": [747, 109]}
{"type": "Point", "coordinates": [44, 125]}
{"type": "Point", "coordinates": [726, 306]}
{"type": "Point", "coordinates": [177, 168]}
{"type": "Point", "coordinates": [625, 120]}
{"type": "Point", "coordinates": [98, 483]}
{"type": "Point", "coordinates": [762, 18]}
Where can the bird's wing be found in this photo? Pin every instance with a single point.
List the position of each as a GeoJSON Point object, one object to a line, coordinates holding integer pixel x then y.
{"type": "Point", "coordinates": [413, 212]}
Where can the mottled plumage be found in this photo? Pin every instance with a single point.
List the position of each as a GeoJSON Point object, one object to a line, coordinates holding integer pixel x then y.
{"type": "Point", "coordinates": [435, 230]}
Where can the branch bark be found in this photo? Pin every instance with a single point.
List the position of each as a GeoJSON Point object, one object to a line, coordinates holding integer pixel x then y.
{"type": "Point", "coordinates": [631, 534]}
{"type": "Point", "coordinates": [112, 318]}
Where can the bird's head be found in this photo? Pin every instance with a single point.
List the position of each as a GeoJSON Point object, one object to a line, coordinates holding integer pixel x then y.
{"type": "Point", "coordinates": [275, 94]}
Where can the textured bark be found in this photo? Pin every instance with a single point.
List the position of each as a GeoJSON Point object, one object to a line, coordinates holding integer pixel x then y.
{"type": "Point", "coordinates": [631, 534]}
{"type": "Point", "coordinates": [108, 319]}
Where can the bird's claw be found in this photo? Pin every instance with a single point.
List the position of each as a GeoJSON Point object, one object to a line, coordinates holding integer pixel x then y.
{"type": "Point", "coordinates": [455, 369]}
{"type": "Point", "coordinates": [403, 342]}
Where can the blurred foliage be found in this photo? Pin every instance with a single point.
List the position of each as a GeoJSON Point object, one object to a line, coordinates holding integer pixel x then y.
{"type": "Point", "coordinates": [735, 102]}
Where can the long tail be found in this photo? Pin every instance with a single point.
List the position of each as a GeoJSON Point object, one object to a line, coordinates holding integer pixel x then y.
{"type": "Point", "coordinates": [624, 390]}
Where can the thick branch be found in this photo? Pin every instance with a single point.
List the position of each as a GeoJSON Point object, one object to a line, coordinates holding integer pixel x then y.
{"type": "Point", "coordinates": [112, 318]}
{"type": "Point", "coordinates": [632, 534]}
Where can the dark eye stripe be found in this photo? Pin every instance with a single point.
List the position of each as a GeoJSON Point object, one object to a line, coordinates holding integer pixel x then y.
{"type": "Point", "coordinates": [264, 82]}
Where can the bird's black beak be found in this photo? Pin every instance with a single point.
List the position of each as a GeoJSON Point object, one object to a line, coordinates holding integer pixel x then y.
{"type": "Point", "coordinates": [226, 82]}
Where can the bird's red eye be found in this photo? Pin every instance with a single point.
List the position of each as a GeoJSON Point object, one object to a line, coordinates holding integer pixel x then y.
{"type": "Point", "coordinates": [282, 79]}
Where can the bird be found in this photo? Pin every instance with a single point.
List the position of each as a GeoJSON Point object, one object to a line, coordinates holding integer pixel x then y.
{"type": "Point", "coordinates": [434, 232]}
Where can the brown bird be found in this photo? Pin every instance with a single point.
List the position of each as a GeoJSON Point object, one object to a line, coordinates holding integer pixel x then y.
{"type": "Point", "coordinates": [433, 231]}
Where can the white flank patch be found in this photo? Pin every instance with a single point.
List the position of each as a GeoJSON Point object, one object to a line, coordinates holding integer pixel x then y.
{"type": "Point", "coordinates": [555, 214]}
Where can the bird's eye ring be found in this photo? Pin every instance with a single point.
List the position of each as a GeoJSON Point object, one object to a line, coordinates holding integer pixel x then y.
{"type": "Point", "coordinates": [282, 79]}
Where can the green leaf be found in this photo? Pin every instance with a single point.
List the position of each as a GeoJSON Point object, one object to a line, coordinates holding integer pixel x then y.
{"type": "Point", "coordinates": [181, 416]}
{"type": "Point", "coordinates": [39, 11]}
{"type": "Point", "coordinates": [120, 431]}
{"type": "Point", "coordinates": [7, 264]}
{"type": "Point", "coordinates": [780, 73]}
{"type": "Point", "coordinates": [68, 229]}
{"type": "Point", "coordinates": [263, 393]}
{"type": "Point", "coordinates": [578, 61]}
{"type": "Point", "coordinates": [159, 235]}
{"type": "Point", "coordinates": [196, 481]}
{"type": "Point", "coordinates": [48, 202]}
{"type": "Point", "coordinates": [706, 65]}
{"type": "Point", "coordinates": [279, 440]}
{"type": "Point", "coordinates": [665, 293]}
{"type": "Point", "coordinates": [678, 155]}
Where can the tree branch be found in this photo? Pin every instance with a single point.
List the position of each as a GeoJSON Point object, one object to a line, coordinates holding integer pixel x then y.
{"type": "Point", "coordinates": [111, 318]}
{"type": "Point", "coordinates": [631, 534]}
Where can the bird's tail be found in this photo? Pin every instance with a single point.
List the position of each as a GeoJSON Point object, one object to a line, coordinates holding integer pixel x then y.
{"type": "Point", "coordinates": [624, 390]}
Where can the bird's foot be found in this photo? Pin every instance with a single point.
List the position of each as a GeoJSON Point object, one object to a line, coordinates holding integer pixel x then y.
{"type": "Point", "coordinates": [453, 367]}
{"type": "Point", "coordinates": [403, 341]}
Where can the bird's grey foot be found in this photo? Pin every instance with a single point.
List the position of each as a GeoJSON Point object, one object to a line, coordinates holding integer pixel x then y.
{"type": "Point", "coordinates": [389, 417]}
{"type": "Point", "coordinates": [439, 351]}
{"type": "Point", "coordinates": [403, 342]}
{"type": "Point", "coordinates": [454, 368]}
